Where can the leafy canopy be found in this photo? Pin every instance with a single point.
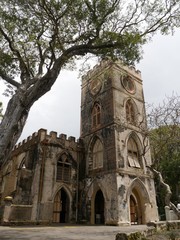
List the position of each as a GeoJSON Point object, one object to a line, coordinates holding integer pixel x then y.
{"type": "Point", "coordinates": [35, 36]}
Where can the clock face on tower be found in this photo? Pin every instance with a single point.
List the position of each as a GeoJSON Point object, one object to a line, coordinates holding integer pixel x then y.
{"type": "Point", "coordinates": [95, 86]}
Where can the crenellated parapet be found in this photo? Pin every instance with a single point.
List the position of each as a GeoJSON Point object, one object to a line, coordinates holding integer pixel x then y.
{"type": "Point", "coordinates": [97, 69]}
{"type": "Point", "coordinates": [107, 63]}
{"type": "Point", "coordinates": [43, 137]}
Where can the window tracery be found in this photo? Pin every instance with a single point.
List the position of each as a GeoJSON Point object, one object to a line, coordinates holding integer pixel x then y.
{"type": "Point", "coordinates": [63, 169]}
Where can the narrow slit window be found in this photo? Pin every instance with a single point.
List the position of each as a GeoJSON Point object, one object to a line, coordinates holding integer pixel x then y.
{"type": "Point", "coordinates": [130, 112]}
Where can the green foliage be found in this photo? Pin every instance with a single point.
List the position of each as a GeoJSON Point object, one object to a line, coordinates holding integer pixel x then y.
{"type": "Point", "coordinates": [164, 122]}
{"type": "Point", "coordinates": [166, 235]}
{"type": "Point", "coordinates": [136, 236]}
{"type": "Point", "coordinates": [40, 38]}
{"type": "Point", "coordinates": [165, 142]}
{"type": "Point", "coordinates": [131, 236]}
{"type": "Point", "coordinates": [173, 236]}
{"type": "Point", "coordinates": [34, 34]}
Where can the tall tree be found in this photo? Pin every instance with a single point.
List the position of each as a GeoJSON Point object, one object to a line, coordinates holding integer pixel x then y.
{"type": "Point", "coordinates": [39, 38]}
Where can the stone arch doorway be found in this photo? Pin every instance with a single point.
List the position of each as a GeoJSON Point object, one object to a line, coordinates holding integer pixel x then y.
{"type": "Point", "coordinates": [61, 207]}
{"type": "Point", "coordinates": [138, 203]}
{"type": "Point", "coordinates": [99, 208]}
{"type": "Point", "coordinates": [136, 213]}
{"type": "Point", "coordinates": [133, 210]}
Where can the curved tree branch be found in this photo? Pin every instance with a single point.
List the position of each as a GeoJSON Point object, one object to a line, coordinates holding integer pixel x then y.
{"type": "Point", "coordinates": [167, 190]}
{"type": "Point", "coordinates": [24, 69]}
{"type": "Point", "coordinates": [9, 79]}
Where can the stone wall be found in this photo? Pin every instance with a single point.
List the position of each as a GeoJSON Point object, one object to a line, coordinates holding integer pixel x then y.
{"type": "Point", "coordinates": [17, 213]}
{"type": "Point", "coordinates": [29, 178]}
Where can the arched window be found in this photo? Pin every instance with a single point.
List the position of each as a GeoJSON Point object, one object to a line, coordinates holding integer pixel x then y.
{"type": "Point", "coordinates": [63, 169]}
{"type": "Point", "coordinates": [23, 164]}
{"type": "Point", "coordinates": [97, 154]}
{"type": "Point", "coordinates": [130, 112]}
{"type": "Point", "coordinates": [96, 115]}
{"type": "Point", "coordinates": [133, 153]}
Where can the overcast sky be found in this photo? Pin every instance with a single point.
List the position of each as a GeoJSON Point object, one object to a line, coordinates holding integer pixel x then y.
{"type": "Point", "coordinates": [59, 109]}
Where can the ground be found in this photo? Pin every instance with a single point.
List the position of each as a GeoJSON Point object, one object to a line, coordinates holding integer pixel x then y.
{"type": "Point", "coordinates": [78, 232]}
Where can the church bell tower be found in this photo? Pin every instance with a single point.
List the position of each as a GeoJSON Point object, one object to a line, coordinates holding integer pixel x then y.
{"type": "Point", "coordinates": [119, 188]}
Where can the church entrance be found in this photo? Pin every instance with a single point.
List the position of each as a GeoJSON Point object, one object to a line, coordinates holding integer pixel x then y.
{"type": "Point", "coordinates": [99, 208]}
{"type": "Point", "coordinates": [135, 210]}
{"type": "Point", "coordinates": [61, 207]}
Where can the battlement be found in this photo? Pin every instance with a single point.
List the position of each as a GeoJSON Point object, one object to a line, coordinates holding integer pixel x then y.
{"type": "Point", "coordinates": [108, 63]}
{"type": "Point", "coordinates": [128, 69]}
{"type": "Point", "coordinates": [96, 69]}
{"type": "Point", "coordinates": [43, 136]}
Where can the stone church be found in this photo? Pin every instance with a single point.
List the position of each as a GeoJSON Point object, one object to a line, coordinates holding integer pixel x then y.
{"type": "Point", "coordinates": [101, 178]}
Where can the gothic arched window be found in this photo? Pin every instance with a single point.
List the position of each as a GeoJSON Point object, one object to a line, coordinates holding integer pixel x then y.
{"type": "Point", "coordinates": [22, 164]}
{"type": "Point", "coordinates": [97, 154]}
{"type": "Point", "coordinates": [96, 115]}
{"type": "Point", "coordinates": [130, 112]}
{"type": "Point", "coordinates": [63, 169]}
{"type": "Point", "coordinates": [133, 153]}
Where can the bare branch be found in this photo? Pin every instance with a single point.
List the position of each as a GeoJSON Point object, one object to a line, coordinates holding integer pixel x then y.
{"type": "Point", "coordinates": [9, 79]}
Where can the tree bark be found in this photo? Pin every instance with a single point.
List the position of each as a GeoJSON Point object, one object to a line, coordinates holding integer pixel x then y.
{"type": "Point", "coordinates": [165, 186]}
{"type": "Point", "coordinates": [11, 126]}
{"type": "Point", "coordinates": [19, 106]}
{"type": "Point", "coordinates": [168, 192]}
{"type": "Point", "coordinates": [16, 115]}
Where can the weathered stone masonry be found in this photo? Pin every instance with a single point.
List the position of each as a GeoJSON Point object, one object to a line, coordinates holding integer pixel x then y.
{"type": "Point", "coordinates": [32, 176]}
{"type": "Point", "coordinates": [101, 178]}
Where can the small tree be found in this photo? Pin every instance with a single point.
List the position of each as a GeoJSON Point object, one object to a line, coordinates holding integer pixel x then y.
{"type": "Point", "coordinates": [39, 38]}
{"type": "Point", "coordinates": [164, 125]}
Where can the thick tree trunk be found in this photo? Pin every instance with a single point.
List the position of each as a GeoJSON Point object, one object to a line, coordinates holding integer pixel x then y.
{"type": "Point", "coordinates": [168, 192]}
{"type": "Point", "coordinates": [18, 108]}
{"type": "Point", "coordinates": [165, 186]}
{"type": "Point", "coordinates": [11, 126]}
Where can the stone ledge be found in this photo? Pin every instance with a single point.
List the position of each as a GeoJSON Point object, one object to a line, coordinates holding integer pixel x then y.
{"type": "Point", "coordinates": [165, 225]}
{"type": "Point", "coordinates": [153, 227]}
{"type": "Point", "coordinates": [138, 235]}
